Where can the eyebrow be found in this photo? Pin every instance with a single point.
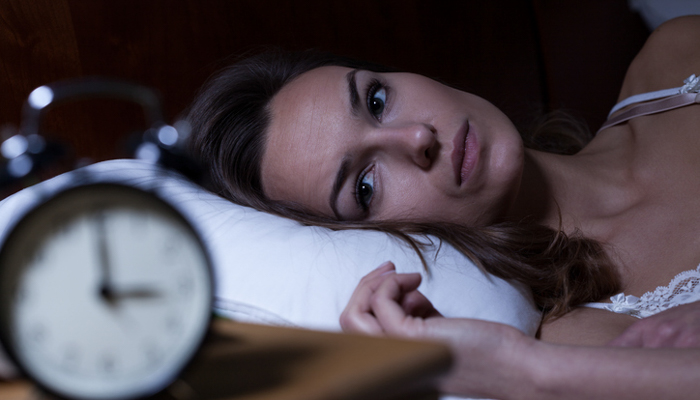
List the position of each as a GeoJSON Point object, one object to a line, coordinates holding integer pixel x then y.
{"type": "Point", "coordinates": [352, 91]}
{"type": "Point", "coordinates": [338, 184]}
{"type": "Point", "coordinates": [342, 173]}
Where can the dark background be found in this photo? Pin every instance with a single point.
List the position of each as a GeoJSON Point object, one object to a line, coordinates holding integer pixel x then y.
{"type": "Point", "coordinates": [526, 56]}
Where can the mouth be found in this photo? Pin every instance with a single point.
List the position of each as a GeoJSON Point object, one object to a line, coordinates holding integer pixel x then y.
{"type": "Point", "coordinates": [462, 155]}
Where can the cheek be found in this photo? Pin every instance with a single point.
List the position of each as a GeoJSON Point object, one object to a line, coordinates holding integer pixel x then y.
{"type": "Point", "coordinates": [417, 200]}
{"type": "Point", "coordinates": [403, 198]}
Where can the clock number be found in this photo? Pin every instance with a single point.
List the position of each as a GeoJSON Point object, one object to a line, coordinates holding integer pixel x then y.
{"type": "Point", "coordinates": [70, 357]}
{"type": "Point", "coordinates": [22, 295]}
{"type": "Point", "coordinates": [37, 334]}
{"type": "Point", "coordinates": [152, 354]}
{"type": "Point", "coordinates": [185, 286]}
{"type": "Point", "coordinates": [139, 222]}
{"type": "Point", "coordinates": [38, 257]}
{"type": "Point", "coordinates": [107, 364]}
{"type": "Point", "coordinates": [62, 225]}
{"type": "Point", "coordinates": [171, 247]}
{"type": "Point", "coordinates": [174, 324]}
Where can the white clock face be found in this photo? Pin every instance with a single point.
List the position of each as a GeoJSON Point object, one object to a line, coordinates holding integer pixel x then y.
{"type": "Point", "coordinates": [106, 293]}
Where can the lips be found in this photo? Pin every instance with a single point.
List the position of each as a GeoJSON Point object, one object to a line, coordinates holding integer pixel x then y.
{"type": "Point", "coordinates": [462, 158]}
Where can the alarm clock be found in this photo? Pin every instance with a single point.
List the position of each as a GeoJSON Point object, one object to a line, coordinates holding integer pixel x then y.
{"type": "Point", "coordinates": [106, 290]}
{"type": "Point", "coordinates": [105, 293]}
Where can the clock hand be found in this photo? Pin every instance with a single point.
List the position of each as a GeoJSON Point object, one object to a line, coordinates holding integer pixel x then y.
{"type": "Point", "coordinates": [106, 288]}
{"type": "Point", "coordinates": [135, 293]}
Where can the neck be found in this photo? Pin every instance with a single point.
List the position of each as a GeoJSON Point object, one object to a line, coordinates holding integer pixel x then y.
{"type": "Point", "coordinates": [571, 191]}
{"type": "Point", "coordinates": [535, 201]}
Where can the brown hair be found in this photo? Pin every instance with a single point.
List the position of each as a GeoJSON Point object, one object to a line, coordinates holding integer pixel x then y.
{"type": "Point", "coordinates": [229, 119]}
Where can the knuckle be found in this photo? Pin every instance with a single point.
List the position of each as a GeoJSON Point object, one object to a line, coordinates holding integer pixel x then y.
{"type": "Point", "coordinates": [623, 339]}
{"type": "Point", "coordinates": [344, 320]}
{"type": "Point", "coordinates": [347, 323]}
{"type": "Point", "coordinates": [667, 329]}
{"type": "Point", "coordinates": [688, 340]}
{"type": "Point", "coordinates": [374, 299]}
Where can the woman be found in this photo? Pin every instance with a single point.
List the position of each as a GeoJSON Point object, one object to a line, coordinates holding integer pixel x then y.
{"type": "Point", "coordinates": [341, 144]}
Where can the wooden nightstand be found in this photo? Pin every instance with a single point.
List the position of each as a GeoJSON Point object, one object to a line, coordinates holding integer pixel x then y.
{"type": "Point", "coordinates": [255, 362]}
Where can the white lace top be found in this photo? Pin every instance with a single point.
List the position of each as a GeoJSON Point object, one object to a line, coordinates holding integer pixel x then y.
{"type": "Point", "coordinates": [683, 289]}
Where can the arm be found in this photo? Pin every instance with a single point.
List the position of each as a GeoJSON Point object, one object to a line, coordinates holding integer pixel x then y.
{"type": "Point", "coordinates": [676, 327]}
{"type": "Point", "coordinates": [577, 372]}
{"type": "Point", "coordinates": [498, 361]}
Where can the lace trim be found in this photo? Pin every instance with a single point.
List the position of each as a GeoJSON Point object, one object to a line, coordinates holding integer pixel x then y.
{"type": "Point", "coordinates": [683, 289]}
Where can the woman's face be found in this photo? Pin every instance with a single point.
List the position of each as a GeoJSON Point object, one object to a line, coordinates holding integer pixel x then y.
{"type": "Point", "coordinates": [359, 145]}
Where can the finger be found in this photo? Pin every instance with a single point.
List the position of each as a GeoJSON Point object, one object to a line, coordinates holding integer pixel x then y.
{"type": "Point", "coordinates": [665, 334]}
{"type": "Point", "coordinates": [416, 304]}
{"type": "Point", "coordinates": [360, 298]}
{"type": "Point", "coordinates": [386, 303]}
{"type": "Point", "coordinates": [357, 316]}
{"type": "Point", "coordinates": [687, 340]}
{"type": "Point", "coordinates": [631, 337]}
{"type": "Point", "coordinates": [384, 268]}
{"type": "Point", "coordinates": [365, 323]}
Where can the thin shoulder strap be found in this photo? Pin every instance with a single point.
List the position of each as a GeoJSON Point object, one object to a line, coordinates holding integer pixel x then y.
{"type": "Point", "coordinates": [669, 103]}
{"type": "Point", "coordinates": [638, 98]}
{"type": "Point", "coordinates": [682, 96]}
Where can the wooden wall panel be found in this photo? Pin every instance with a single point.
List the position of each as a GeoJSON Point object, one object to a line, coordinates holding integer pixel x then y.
{"type": "Point", "coordinates": [587, 47]}
{"type": "Point", "coordinates": [37, 45]}
{"type": "Point", "coordinates": [491, 48]}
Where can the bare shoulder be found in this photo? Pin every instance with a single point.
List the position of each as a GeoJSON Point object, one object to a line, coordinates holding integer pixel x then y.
{"type": "Point", "coordinates": [586, 326]}
{"type": "Point", "coordinates": [668, 57]}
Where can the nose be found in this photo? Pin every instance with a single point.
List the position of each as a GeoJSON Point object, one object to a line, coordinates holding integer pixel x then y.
{"type": "Point", "coordinates": [413, 140]}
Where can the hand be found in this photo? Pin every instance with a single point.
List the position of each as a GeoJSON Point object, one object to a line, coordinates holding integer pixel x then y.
{"type": "Point", "coordinates": [385, 302]}
{"type": "Point", "coordinates": [676, 327]}
{"type": "Point", "coordinates": [359, 316]}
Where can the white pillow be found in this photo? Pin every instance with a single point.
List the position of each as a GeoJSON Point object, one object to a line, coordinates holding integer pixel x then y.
{"type": "Point", "coordinates": [273, 270]}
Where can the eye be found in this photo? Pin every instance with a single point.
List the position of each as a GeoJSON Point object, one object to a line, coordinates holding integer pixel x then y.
{"type": "Point", "coordinates": [364, 189]}
{"type": "Point", "coordinates": [376, 98]}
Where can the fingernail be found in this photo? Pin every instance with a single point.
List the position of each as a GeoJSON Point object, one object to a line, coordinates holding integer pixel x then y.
{"type": "Point", "coordinates": [387, 264]}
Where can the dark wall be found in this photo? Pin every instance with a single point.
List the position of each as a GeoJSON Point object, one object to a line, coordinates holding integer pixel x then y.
{"type": "Point", "coordinates": [525, 56]}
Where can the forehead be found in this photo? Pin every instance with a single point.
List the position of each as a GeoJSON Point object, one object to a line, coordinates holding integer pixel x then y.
{"type": "Point", "coordinates": [305, 140]}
